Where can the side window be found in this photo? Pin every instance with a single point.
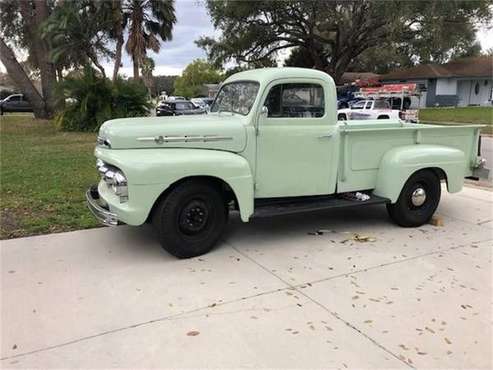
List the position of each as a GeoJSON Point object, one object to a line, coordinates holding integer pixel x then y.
{"type": "Point", "coordinates": [368, 104]}
{"type": "Point", "coordinates": [382, 104]}
{"type": "Point", "coordinates": [15, 98]}
{"type": "Point", "coordinates": [296, 100]}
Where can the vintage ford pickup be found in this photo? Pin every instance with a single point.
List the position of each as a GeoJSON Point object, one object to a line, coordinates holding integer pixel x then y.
{"type": "Point", "coordinates": [271, 144]}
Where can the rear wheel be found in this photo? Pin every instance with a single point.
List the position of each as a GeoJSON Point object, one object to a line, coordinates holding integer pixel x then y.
{"type": "Point", "coordinates": [383, 117]}
{"type": "Point", "coordinates": [342, 117]}
{"type": "Point", "coordinates": [417, 201]}
{"type": "Point", "coordinates": [191, 219]}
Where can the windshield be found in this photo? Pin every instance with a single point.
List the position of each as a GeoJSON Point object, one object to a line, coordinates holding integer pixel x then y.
{"type": "Point", "coordinates": [236, 97]}
{"type": "Point", "coordinates": [358, 105]}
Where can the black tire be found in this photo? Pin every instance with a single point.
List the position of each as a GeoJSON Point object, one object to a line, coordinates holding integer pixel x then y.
{"type": "Point", "coordinates": [341, 117]}
{"type": "Point", "coordinates": [190, 219]}
{"type": "Point", "coordinates": [406, 213]}
{"type": "Point", "coordinates": [383, 117]}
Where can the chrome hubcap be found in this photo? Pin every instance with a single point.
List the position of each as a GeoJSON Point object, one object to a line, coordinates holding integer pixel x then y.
{"type": "Point", "coordinates": [418, 197]}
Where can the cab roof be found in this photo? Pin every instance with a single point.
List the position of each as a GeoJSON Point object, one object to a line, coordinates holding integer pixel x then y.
{"type": "Point", "coordinates": [265, 75]}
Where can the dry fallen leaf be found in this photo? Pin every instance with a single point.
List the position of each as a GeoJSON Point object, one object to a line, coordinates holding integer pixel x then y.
{"type": "Point", "coordinates": [436, 221]}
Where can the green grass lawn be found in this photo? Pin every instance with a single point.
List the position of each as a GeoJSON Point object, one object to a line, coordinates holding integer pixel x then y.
{"type": "Point", "coordinates": [479, 115]}
{"type": "Point", "coordinates": [44, 174]}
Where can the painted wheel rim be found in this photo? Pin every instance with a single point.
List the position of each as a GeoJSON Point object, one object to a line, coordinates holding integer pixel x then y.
{"type": "Point", "coordinates": [194, 217]}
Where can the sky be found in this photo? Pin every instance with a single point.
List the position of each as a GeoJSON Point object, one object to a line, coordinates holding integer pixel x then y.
{"type": "Point", "coordinates": [193, 21]}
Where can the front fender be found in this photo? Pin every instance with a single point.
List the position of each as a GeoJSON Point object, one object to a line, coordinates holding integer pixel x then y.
{"type": "Point", "coordinates": [152, 171]}
{"type": "Point", "coordinates": [398, 164]}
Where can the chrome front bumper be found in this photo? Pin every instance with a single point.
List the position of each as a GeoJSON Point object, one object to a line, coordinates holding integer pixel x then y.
{"type": "Point", "coordinates": [101, 213]}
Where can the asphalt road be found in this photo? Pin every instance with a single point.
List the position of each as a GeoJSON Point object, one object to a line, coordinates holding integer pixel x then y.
{"type": "Point", "coordinates": [274, 293]}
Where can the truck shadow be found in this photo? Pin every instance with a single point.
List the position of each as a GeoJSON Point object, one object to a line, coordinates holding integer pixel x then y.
{"type": "Point", "coordinates": [141, 242]}
{"type": "Point", "coordinates": [288, 226]}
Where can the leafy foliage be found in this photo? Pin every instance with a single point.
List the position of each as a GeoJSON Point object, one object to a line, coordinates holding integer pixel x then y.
{"type": "Point", "coordinates": [331, 35]}
{"type": "Point", "coordinates": [193, 78]}
{"type": "Point", "coordinates": [78, 32]}
{"type": "Point", "coordinates": [163, 83]}
{"type": "Point", "coordinates": [91, 100]}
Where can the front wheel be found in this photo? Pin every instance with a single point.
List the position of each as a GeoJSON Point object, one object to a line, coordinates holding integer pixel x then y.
{"type": "Point", "coordinates": [417, 201]}
{"type": "Point", "coordinates": [190, 219]}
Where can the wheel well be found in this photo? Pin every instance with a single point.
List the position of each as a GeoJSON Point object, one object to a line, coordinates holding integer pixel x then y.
{"type": "Point", "coordinates": [383, 117]}
{"type": "Point", "coordinates": [216, 182]}
{"type": "Point", "coordinates": [436, 170]}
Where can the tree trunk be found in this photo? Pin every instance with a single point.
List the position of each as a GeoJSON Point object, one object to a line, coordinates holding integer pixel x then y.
{"type": "Point", "coordinates": [117, 9]}
{"type": "Point", "coordinates": [94, 59]}
{"type": "Point", "coordinates": [19, 76]}
{"type": "Point", "coordinates": [118, 56]}
{"type": "Point", "coordinates": [136, 67]}
{"type": "Point", "coordinates": [34, 14]}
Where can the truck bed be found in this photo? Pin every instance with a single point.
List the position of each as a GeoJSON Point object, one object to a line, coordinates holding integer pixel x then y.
{"type": "Point", "coordinates": [364, 143]}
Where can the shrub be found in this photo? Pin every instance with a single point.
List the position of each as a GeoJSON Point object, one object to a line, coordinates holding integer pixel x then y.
{"type": "Point", "coordinates": [90, 100]}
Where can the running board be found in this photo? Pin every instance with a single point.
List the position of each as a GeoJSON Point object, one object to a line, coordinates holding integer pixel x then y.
{"type": "Point", "coordinates": [285, 206]}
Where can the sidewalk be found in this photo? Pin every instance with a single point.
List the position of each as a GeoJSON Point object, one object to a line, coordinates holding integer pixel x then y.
{"type": "Point", "coordinates": [273, 294]}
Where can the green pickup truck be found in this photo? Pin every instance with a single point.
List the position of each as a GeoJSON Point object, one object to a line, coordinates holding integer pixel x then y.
{"type": "Point", "coordinates": [270, 145]}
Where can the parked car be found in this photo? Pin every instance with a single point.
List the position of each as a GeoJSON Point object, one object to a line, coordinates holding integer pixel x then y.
{"type": "Point", "coordinates": [199, 102]}
{"type": "Point", "coordinates": [15, 103]}
{"type": "Point", "coordinates": [178, 108]}
{"type": "Point", "coordinates": [342, 104]}
{"type": "Point", "coordinates": [271, 145]}
{"type": "Point", "coordinates": [368, 109]}
{"type": "Point", "coordinates": [173, 98]}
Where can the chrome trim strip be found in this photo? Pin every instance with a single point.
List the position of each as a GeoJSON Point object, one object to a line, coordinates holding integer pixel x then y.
{"type": "Point", "coordinates": [185, 139]}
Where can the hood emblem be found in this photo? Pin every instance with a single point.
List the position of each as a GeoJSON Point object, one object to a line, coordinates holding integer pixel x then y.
{"type": "Point", "coordinates": [185, 138]}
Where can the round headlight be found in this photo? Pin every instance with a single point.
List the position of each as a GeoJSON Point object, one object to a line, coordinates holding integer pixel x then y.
{"type": "Point", "coordinates": [119, 184]}
{"type": "Point", "coordinates": [108, 177]}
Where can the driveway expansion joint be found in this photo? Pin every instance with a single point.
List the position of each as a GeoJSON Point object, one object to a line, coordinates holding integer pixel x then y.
{"type": "Point", "coordinates": [333, 314]}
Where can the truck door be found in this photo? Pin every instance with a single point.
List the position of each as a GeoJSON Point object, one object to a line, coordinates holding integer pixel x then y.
{"type": "Point", "coordinates": [296, 141]}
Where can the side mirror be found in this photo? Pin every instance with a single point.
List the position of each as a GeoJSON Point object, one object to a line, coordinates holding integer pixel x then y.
{"type": "Point", "coordinates": [264, 111]}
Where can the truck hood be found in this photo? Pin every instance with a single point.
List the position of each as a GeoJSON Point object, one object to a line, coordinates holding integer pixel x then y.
{"type": "Point", "coordinates": [211, 131]}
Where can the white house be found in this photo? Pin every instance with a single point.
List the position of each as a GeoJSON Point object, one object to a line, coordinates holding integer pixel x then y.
{"type": "Point", "coordinates": [463, 82]}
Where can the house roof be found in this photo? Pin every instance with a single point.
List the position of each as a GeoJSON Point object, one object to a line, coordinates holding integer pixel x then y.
{"type": "Point", "coordinates": [349, 77]}
{"type": "Point", "coordinates": [466, 67]}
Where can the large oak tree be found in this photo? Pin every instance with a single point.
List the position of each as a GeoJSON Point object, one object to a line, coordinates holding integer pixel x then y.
{"type": "Point", "coordinates": [20, 26]}
{"type": "Point", "coordinates": [331, 35]}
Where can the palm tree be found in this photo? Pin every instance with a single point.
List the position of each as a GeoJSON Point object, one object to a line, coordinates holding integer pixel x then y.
{"type": "Point", "coordinates": [147, 20]}
{"type": "Point", "coordinates": [117, 34]}
{"type": "Point", "coordinates": [146, 68]}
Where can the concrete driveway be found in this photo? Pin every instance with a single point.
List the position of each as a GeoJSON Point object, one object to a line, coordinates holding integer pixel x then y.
{"type": "Point", "coordinates": [273, 294]}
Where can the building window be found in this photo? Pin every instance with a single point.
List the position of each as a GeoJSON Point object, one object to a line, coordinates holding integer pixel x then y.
{"type": "Point", "coordinates": [476, 88]}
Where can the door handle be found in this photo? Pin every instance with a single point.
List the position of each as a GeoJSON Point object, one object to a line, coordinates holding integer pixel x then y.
{"type": "Point", "coordinates": [326, 136]}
